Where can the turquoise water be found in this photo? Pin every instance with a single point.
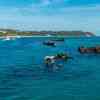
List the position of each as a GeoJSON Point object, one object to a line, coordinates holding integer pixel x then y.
{"type": "Point", "coordinates": [23, 77]}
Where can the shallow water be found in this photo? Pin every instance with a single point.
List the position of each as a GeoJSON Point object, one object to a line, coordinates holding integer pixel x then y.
{"type": "Point", "coordinates": [23, 77]}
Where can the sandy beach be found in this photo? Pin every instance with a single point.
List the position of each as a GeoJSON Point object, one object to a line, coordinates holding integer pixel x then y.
{"type": "Point", "coordinates": [23, 36]}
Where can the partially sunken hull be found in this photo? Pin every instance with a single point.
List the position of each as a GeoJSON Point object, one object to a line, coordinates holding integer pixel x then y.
{"type": "Point", "coordinates": [89, 50]}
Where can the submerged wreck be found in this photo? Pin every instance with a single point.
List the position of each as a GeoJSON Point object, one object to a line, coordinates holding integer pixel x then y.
{"type": "Point", "coordinates": [49, 43]}
{"type": "Point", "coordinates": [89, 50]}
{"type": "Point", "coordinates": [59, 39]}
{"type": "Point", "coordinates": [51, 61]}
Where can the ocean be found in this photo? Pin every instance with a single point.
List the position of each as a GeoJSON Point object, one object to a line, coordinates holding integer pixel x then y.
{"type": "Point", "coordinates": [23, 75]}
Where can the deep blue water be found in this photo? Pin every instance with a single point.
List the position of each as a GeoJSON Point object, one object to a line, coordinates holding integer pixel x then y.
{"type": "Point", "coordinates": [23, 77]}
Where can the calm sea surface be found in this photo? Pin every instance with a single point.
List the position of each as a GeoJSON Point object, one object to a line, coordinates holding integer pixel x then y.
{"type": "Point", "coordinates": [23, 77]}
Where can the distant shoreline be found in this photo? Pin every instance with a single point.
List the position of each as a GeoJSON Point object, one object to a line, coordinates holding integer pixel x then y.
{"type": "Point", "coordinates": [26, 36]}
{"type": "Point", "coordinates": [16, 33]}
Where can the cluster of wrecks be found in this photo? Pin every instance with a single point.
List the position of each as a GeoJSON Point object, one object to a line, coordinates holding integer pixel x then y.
{"type": "Point", "coordinates": [51, 60]}
{"type": "Point", "coordinates": [81, 49]}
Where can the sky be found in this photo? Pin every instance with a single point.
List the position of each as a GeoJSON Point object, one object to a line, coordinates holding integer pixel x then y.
{"type": "Point", "coordinates": [51, 15]}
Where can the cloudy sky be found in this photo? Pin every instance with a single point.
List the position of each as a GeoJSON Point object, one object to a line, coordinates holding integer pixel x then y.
{"type": "Point", "coordinates": [51, 14]}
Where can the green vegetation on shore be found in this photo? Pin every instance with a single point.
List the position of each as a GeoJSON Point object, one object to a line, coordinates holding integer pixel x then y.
{"type": "Point", "coordinates": [10, 32]}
